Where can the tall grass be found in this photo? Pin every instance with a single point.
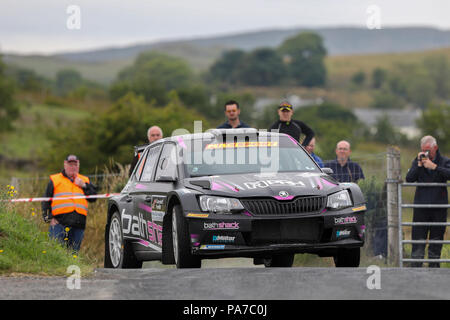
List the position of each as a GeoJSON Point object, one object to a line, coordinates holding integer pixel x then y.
{"type": "Point", "coordinates": [25, 248]}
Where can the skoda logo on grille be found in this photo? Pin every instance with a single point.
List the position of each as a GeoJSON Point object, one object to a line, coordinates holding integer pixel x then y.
{"type": "Point", "coordinates": [283, 194]}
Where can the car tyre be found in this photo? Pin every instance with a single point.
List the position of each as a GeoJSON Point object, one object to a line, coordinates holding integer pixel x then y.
{"type": "Point", "coordinates": [181, 241]}
{"type": "Point", "coordinates": [285, 260]}
{"type": "Point", "coordinates": [119, 253]}
{"type": "Point", "coordinates": [347, 258]}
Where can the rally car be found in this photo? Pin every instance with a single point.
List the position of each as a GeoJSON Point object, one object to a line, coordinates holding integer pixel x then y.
{"type": "Point", "coordinates": [232, 193]}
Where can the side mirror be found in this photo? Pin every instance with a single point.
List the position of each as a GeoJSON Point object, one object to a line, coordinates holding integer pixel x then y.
{"type": "Point", "coordinates": [327, 170]}
{"type": "Point", "coordinates": [166, 179]}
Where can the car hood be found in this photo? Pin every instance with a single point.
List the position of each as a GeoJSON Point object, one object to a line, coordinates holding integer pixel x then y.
{"type": "Point", "coordinates": [282, 186]}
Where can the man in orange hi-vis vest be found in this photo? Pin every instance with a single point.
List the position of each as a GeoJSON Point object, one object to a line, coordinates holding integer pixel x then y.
{"type": "Point", "coordinates": [67, 216]}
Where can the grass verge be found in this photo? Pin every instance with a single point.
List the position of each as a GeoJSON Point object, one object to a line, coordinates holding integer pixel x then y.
{"type": "Point", "coordinates": [24, 248]}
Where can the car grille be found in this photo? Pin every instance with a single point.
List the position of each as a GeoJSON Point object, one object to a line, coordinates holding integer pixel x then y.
{"type": "Point", "coordinates": [268, 206]}
{"type": "Point", "coordinates": [276, 231]}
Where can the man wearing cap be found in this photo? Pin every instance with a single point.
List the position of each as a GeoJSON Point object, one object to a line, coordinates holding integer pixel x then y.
{"type": "Point", "coordinates": [67, 216]}
{"type": "Point", "coordinates": [294, 128]}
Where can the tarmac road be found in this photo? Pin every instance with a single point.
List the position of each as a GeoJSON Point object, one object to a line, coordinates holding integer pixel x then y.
{"type": "Point", "coordinates": [236, 283]}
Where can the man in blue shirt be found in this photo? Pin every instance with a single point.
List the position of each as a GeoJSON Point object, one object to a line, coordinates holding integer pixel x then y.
{"type": "Point", "coordinates": [310, 148]}
{"type": "Point", "coordinates": [232, 112]}
{"type": "Point", "coordinates": [344, 170]}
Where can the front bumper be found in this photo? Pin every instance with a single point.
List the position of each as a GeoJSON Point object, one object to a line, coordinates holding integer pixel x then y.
{"type": "Point", "coordinates": [245, 235]}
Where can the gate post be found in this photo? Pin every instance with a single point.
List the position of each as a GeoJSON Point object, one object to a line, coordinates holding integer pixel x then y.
{"type": "Point", "coordinates": [393, 179]}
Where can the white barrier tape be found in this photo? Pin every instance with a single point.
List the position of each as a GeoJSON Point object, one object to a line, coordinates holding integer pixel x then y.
{"type": "Point", "coordinates": [97, 196]}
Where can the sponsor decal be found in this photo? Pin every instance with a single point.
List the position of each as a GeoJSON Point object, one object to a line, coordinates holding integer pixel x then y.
{"type": "Point", "coordinates": [140, 186]}
{"type": "Point", "coordinates": [248, 144]}
{"type": "Point", "coordinates": [268, 183]}
{"type": "Point", "coordinates": [212, 247]}
{"type": "Point", "coordinates": [345, 220]}
{"type": "Point", "coordinates": [198, 215]}
{"type": "Point", "coordinates": [138, 226]}
{"type": "Point", "coordinates": [359, 208]}
{"type": "Point", "coordinates": [221, 225]}
{"type": "Point", "coordinates": [158, 203]}
{"type": "Point", "coordinates": [223, 239]}
{"type": "Point", "coordinates": [342, 233]}
{"type": "Point", "coordinates": [158, 215]}
{"type": "Point", "coordinates": [145, 207]}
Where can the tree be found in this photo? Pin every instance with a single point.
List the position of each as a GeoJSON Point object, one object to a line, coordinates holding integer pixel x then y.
{"type": "Point", "coordinates": [113, 133]}
{"type": "Point", "coordinates": [225, 69]}
{"type": "Point", "coordinates": [439, 71]}
{"type": "Point", "coordinates": [435, 121]}
{"type": "Point", "coordinates": [387, 133]}
{"type": "Point", "coordinates": [359, 78]}
{"type": "Point", "coordinates": [261, 67]}
{"type": "Point", "coordinates": [379, 76]}
{"type": "Point", "coordinates": [153, 75]}
{"type": "Point", "coordinates": [384, 99]}
{"type": "Point", "coordinates": [305, 55]}
{"type": "Point", "coordinates": [9, 109]}
{"type": "Point", "coordinates": [67, 80]}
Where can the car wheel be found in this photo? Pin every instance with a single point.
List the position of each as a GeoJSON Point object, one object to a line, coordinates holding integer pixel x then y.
{"type": "Point", "coordinates": [347, 257]}
{"type": "Point", "coordinates": [181, 241]}
{"type": "Point", "coordinates": [118, 252]}
{"type": "Point", "coordinates": [280, 261]}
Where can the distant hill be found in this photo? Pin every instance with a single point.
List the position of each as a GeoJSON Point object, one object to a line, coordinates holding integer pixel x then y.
{"type": "Point", "coordinates": [338, 41]}
{"type": "Point", "coordinates": [102, 65]}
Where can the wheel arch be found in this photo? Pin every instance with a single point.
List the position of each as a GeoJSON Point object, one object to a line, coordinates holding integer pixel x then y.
{"type": "Point", "coordinates": [113, 207]}
{"type": "Point", "coordinates": [167, 249]}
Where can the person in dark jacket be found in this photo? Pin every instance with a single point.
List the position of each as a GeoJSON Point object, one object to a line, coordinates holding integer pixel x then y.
{"type": "Point", "coordinates": [294, 128]}
{"type": "Point", "coordinates": [153, 133]}
{"type": "Point", "coordinates": [67, 217]}
{"type": "Point", "coordinates": [429, 166]}
{"type": "Point", "coordinates": [344, 170]}
{"type": "Point", "coordinates": [310, 148]}
{"type": "Point", "coordinates": [232, 112]}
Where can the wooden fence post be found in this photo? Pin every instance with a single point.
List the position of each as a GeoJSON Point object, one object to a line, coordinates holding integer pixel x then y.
{"type": "Point", "coordinates": [394, 177]}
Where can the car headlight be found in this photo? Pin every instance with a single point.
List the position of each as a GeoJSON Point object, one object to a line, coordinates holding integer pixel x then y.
{"type": "Point", "coordinates": [339, 200]}
{"type": "Point", "coordinates": [219, 204]}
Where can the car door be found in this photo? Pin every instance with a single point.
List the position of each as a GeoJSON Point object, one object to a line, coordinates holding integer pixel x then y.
{"type": "Point", "coordinates": [129, 219]}
{"type": "Point", "coordinates": [165, 175]}
{"type": "Point", "coordinates": [142, 228]}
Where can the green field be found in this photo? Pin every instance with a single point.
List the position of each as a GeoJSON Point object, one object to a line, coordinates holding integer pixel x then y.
{"type": "Point", "coordinates": [29, 134]}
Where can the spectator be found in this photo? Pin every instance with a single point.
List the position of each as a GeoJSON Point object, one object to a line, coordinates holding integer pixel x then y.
{"type": "Point", "coordinates": [67, 217]}
{"type": "Point", "coordinates": [153, 133]}
{"type": "Point", "coordinates": [232, 112]}
{"type": "Point", "coordinates": [294, 128]}
{"type": "Point", "coordinates": [310, 148]}
{"type": "Point", "coordinates": [344, 170]}
{"type": "Point", "coordinates": [429, 166]}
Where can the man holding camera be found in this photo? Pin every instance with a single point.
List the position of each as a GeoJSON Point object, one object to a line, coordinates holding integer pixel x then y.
{"type": "Point", "coordinates": [429, 166]}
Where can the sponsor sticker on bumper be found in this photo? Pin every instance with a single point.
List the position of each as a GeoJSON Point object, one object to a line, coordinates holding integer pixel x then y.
{"type": "Point", "coordinates": [212, 247]}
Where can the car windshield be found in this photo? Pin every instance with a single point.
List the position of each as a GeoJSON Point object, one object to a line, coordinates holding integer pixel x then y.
{"type": "Point", "coordinates": [243, 154]}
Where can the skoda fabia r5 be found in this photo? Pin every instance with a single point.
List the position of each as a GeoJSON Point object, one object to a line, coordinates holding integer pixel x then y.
{"type": "Point", "coordinates": [232, 193]}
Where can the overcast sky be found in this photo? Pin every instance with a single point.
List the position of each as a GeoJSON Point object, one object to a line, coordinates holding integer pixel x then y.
{"type": "Point", "coordinates": [40, 26]}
